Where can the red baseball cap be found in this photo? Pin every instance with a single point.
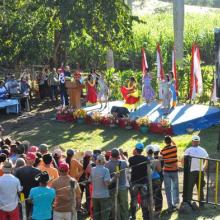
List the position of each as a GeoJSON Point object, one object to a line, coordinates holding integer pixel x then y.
{"type": "Point", "coordinates": [30, 156]}
{"type": "Point", "coordinates": [64, 167]}
{"type": "Point", "coordinates": [33, 149]}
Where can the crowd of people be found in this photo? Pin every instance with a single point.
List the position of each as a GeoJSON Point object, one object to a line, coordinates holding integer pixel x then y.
{"type": "Point", "coordinates": [61, 185]}
{"type": "Point", "coordinates": [51, 82]}
{"type": "Point", "coordinates": [10, 87]}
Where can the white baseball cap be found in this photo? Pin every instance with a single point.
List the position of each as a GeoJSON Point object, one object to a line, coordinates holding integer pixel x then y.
{"type": "Point", "coordinates": [195, 138]}
{"type": "Point", "coordinates": [156, 148]}
{"type": "Point", "coordinates": [149, 147]}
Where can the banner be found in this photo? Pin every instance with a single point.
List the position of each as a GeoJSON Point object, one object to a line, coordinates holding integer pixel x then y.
{"type": "Point", "coordinates": [196, 85]}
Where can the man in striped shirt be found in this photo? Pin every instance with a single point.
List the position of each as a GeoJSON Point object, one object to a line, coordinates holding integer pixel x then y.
{"type": "Point", "coordinates": [170, 170]}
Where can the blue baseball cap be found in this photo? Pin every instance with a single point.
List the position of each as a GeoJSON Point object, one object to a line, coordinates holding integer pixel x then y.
{"type": "Point", "coordinates": [139, 146]}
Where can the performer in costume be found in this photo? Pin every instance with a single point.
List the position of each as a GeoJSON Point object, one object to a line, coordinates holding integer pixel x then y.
{"type": "Point", "coordinates": [147, 91]}
{"type": "Point", "coordinates": [103, 90]}
{"type": "Point", "coordinates": [91, 91]}
{"type": "Point", "coordinates": [167, 94]}
{"type": "Point", "coordinates": [173, 89]}
{"type": "Point", "coordinates": [130, 94]}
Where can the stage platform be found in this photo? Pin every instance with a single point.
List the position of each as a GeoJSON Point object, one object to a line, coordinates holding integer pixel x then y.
{"type": "Point", "coordinates": [184, 116]}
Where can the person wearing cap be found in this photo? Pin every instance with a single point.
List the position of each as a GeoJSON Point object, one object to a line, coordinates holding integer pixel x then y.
{"type": "Point", "coordinates": [114, 164]}
{"type": "Point", "coordinates": [47, 166]}
{"type": "Point", "coordinates": [42, 198]}
{"type": "Point", "coordinates": [170, 173]}
{"type": "Point", "coordinates": [156, 182]}
{"type": "Point", "coordinates": [68, 195]}
{"type": "Point", "coordinates": [139, 181]}
{"type": "Point", "coordinates": [43, 148]}
{"type": "Point", "coordinates": [196, 151]}
{"type": "Point", "coordinates": [9, 188]}
{"type": "Point", "coordinates": [100, 179]}
{"type": "Point", "coordinates": [26, 175]}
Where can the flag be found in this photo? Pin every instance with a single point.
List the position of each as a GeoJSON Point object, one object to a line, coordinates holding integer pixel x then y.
{"type": "Point", "coordinates": [160, 71]}
{"type": "Point", "coordinates": [196, 85]}
{"type": "Point", "coordinates": [174, 70]}
{"type": "Point", "coordinates": [144, 64]}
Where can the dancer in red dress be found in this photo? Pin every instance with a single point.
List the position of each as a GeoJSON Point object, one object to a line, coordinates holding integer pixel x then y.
{"type": "Point", "coordinates": [91, 90]}
{"type": "Point", "coordinates": [130, 93]}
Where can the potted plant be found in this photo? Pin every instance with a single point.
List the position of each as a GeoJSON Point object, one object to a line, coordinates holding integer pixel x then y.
{"type": "Point", "coordinates": [165, 126]}
{"type": "Point", "coordinates": [165, 123]}
{"type": "Point", "coordinates": [96, 118]}
{"type": "Point", "coordinates": [144, 124]}
{"type": "Point", "coordinates": [80, 116]}
{"type": "Point", "coordinates": [113, 121]}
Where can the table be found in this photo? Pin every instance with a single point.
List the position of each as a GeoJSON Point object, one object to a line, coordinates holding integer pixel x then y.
{"type": "Point", "coordinates": [11, 105]}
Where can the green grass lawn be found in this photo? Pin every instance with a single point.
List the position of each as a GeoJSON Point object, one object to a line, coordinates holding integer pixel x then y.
{"type": "Point", "coordinates": [84, 137]}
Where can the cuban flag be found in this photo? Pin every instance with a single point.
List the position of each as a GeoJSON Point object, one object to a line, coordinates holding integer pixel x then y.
{"type": "Point", "coordinates": [160, 71]}
{"type": "Point", "coordinates": [196, 85]}
{"type": "Point", "coordinates": [144, 64]}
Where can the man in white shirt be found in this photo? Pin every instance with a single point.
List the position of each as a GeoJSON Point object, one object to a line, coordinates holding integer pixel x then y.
{"type": "Point", "coordinates": [9, 188]}
{"type": "Point", "coordinates": [196, 151]}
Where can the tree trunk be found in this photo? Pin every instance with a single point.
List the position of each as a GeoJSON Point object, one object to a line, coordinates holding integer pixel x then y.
{"type": "Point", "coordinates": [178, 24]}
{"type": "Point", "coordinates": [57, 42]}
{"type": "Point", "coordinates": [110, 59]}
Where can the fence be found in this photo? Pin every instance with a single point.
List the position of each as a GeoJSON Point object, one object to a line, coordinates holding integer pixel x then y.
{"type": "Point", "coordinates": [206, 179]}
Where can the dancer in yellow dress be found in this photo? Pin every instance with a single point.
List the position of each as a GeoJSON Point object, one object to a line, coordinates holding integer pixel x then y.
{"type": "Point", "coordinates": [130, 94]}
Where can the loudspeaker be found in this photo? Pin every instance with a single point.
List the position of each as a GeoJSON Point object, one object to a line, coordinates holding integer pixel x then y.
{"type": "Point", "coordinates": [217, 60]}
{"type": "Point", "coordinates": [120, 111]}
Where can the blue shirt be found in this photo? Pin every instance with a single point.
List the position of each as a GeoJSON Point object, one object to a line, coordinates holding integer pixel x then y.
{"type": "Point", "coordinates": [3, 92]}
{"type": "Point", "coordinates": [42, 198]}
{"type": "Point", "coordinates": [99, 175]}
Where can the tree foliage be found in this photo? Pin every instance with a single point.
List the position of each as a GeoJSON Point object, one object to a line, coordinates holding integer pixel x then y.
{"type": "Point", "coordinates": [34, 30]}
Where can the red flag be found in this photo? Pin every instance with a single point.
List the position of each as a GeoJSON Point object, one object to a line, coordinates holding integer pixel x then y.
{"type": "Point", "coordinates": [160, 71]}
{"type": "Point", "coordinates": [144, 64]}
{"type": "Point", "coordinates": [174, 70]}
{"type": "Point", "coordinates": [196, 85]}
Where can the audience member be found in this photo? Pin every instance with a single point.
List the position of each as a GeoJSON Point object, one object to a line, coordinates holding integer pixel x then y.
{"type": "Point", "coordinates": [139, 182]}
{"type": "Point", "coordinates": [100, 179]}
{"type": "Point", "coordinates": [116, 165]}
{"type": "Point", "coordinates": [9, 188]}
{"type": "Point", "coordinates": [3, 90]}
{"type": "Point", "coordinates": [68, 195]}
{"type": "Point", "coordinates": [42, 198]}
{"type": "Point", "coordinates": [47, 166]}
{"type": "Point", "coordinates": [26, 175]}
{"type": "Point", "coordinates": [170, 173]}
{"type": "Point", "coordinates": [196, 151]}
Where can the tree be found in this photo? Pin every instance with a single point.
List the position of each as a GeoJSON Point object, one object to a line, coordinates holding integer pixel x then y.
{"type": "Point", "coordinates": [48, 28]}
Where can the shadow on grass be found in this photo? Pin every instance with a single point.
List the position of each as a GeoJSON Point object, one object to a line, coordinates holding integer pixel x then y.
{"type": "Point", "coordinates": [40, 130]}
